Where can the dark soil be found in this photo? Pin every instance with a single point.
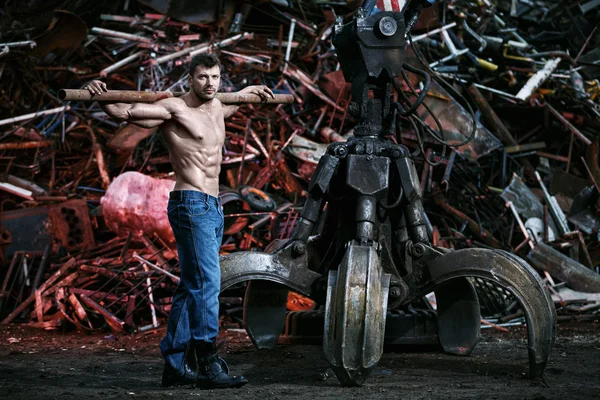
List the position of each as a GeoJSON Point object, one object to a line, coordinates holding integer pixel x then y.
{"type": "Point", "coordinates": [36, 364]}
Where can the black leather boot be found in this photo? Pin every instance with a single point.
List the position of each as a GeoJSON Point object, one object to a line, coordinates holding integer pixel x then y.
{"type": "Point", "coordinates": [172, 377]}
{"type": "Point", "coordinates": [212, 370]}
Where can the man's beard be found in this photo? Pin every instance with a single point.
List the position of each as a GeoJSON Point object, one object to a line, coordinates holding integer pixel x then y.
{"type": "Point", "coordinates": [204, 95]}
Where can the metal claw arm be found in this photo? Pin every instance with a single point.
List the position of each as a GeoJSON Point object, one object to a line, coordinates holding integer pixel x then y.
{"type": "Point", "coordinates": [317, 188]}
{"type": "Point", "coordinates": [279, 267]}
{"type": "Point", "coordinates": [513, 274]}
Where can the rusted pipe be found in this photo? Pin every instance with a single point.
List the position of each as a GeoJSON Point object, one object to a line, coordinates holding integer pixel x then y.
{"type": "Point", "coordinates": [201, 48]}
{"type": "Point", "coordinates": [566, 123]}
{"type": "Point", "coordinates": [592, 154]}
{"type": "Point", "coordinates": [156, 267]}
{"type": "Point", "coordinates": [273, 66]}
{"type": "Point", "coordinates": [574, 274]}
{"type": "Point", "coordinates": [111, 68]}
{"type": "Point", "coordinates": [97, 149]}
{"type": "Point", "coordinates": [330, 136]}
{"type": "Point", "coordinates": [113, 321]}
{"type": "Point", "coordinates": [491, 117]}
{"type": "Point", "coordinates": [304, 81]}
{"type": "Point", "coordinates": [181, 53]}
{"type": "Point", "coordinates": [25, 184]}
{"type": "Point", "coordinates": [241, 168]}
{"type": "Point", "coordinates": [121, 35]}
{"type": "Point", "coordinates": [496, 123]}
{"type": "Point", "coordinates": [49, 282]}
{"type": "Point", "coordinates": [25, 145]}
{"type": "Point", "coordinates": [474, 227]}
{"type": "Point", "coordinates": [130, 96]}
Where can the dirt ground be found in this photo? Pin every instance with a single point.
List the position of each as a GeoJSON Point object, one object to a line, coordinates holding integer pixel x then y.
{"type": "Point", "coordinates": [36, 364]}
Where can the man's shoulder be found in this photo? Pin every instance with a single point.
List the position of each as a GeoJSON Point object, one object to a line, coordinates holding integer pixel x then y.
{"type": "Point", "coordinates": [217, 105]}
{"type": "Point", "coordinates": [172, 103]}
{"type": "Point", "coordinates": [217, 102]}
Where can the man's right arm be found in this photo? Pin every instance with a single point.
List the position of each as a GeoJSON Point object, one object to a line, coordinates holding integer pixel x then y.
{"type": "Point", "coordinates": [143, 114]}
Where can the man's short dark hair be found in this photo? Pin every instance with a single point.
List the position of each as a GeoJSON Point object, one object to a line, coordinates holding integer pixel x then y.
{"type": "Point", "coordinates": [204, 60]}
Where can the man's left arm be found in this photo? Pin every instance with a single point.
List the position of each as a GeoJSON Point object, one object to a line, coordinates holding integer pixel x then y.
{"type": "Point", "coordinates": [259, 90]}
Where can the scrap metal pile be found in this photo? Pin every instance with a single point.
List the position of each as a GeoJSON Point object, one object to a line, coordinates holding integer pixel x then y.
{"type": "Point", "coordinates": [84, 235]}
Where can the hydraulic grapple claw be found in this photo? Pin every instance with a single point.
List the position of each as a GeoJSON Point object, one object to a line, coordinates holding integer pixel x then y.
{"type": "Point", "coordinates": [515, 275]}
{"type": "Point", "coordinates": [355, 315]}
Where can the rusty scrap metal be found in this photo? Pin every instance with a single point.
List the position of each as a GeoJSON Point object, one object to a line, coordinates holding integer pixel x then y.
{"type": "Point", "coordinates": [202, 48]}
{"type": "Point", "coordinates": [492, 118]}
{"type": "Point", "coordinates": [121, 35]}
{"type": "Point", "coordinates": [55, 155]}
{"type": "Point", "coordinates": [574, 130]}
{"type": "Point", "coordinates": [476, 228]}
{"type": "Point", "coordinates": [45, 286]}
{"type": "Point", "coordinates": [29, 116]}
{"type": "Point", "coordinates": [555, 211]}
{"type": "Point", "coordinates": [147, 96]}
{"type": "Point", "coordinates": [574, 274]}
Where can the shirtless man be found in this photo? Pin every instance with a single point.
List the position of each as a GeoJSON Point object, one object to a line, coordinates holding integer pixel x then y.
{"type": "Point", "coordinates": [194, 130]}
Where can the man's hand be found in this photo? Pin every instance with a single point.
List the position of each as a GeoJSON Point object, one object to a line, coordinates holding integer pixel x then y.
{"type": "Point", "coordinates": [260, 90]}
{"type": "Point", "coordinates": [96, 87]}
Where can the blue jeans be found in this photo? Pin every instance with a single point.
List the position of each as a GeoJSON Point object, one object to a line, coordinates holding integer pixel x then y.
{"type": "Point", "coordinates": [197, 222]}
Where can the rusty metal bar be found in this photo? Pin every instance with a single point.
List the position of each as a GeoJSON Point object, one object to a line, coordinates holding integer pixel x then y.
{"type": "Point", "coordinates": [168, 57]}
{"type": "Point", "coordinates": [156, 267]}
{"type": "Point", "coordinates": [576, 275]}
{"type": "Point", "coordinates": [99, 295]}
{"type": "Point", "coordinates": [486, 236]}
{"type": "Point", "coordinates": [553, 156]}
{"type": "Point", "coordinates": [42, 289]}
{"type": "Point", "coordinates": [25, 145]}
{"type": "Point", "coordinates": [566, 123]}
{"type": "Point", "coordinates": [491, 117]}
{"type": "Point", "coordinates": [149, 97]}
{"type": "Point", "coordinates": [121, 35]}
{"type": "Point", "coordinates": [114, 322]}
{"type": "Point", "coordinates": [592, 154]}
{"type": "Point", "coordinates": [200, 48]}
{"type": "Point", "coordinates": [308, 84]}
{"type": "Point", "coordinates": [587, 41]}
{"type": "Point", "coordinates": [590, 174]}
{"type": "Point", "coordinates": [121, 63]}
{"type": "Point", "coordinates": [259, 143]}
{"type": "Point", "coordinates": [153, 250]}
{"type": "Point", "coordinates": [241, 168]}
{"type": "Point", "coordinates": [97, 149]}
{"type": "Point", "coordinates": [520, 222]}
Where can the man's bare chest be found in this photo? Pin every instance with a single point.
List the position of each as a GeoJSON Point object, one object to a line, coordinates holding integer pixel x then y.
{"type": "Point", "coordinates": [201, 124]}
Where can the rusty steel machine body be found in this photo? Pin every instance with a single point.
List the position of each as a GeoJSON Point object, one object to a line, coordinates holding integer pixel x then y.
{"type": "Point", "coordinates": [373, 254]}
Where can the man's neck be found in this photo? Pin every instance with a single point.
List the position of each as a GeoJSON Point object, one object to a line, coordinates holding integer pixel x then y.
{"type": "Point", "coordinates": [193, 101]}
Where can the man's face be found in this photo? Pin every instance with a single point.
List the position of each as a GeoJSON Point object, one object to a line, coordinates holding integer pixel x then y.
{"type": "Point", "coordinates": [206, 82]}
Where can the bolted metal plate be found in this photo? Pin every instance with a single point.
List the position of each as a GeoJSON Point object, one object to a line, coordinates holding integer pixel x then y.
{"type": "Point", "coordinates": [367, 174]}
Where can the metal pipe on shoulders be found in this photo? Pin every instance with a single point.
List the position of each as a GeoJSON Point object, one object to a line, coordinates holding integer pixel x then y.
{"type": "Point", "coordinates": [131, 96]}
